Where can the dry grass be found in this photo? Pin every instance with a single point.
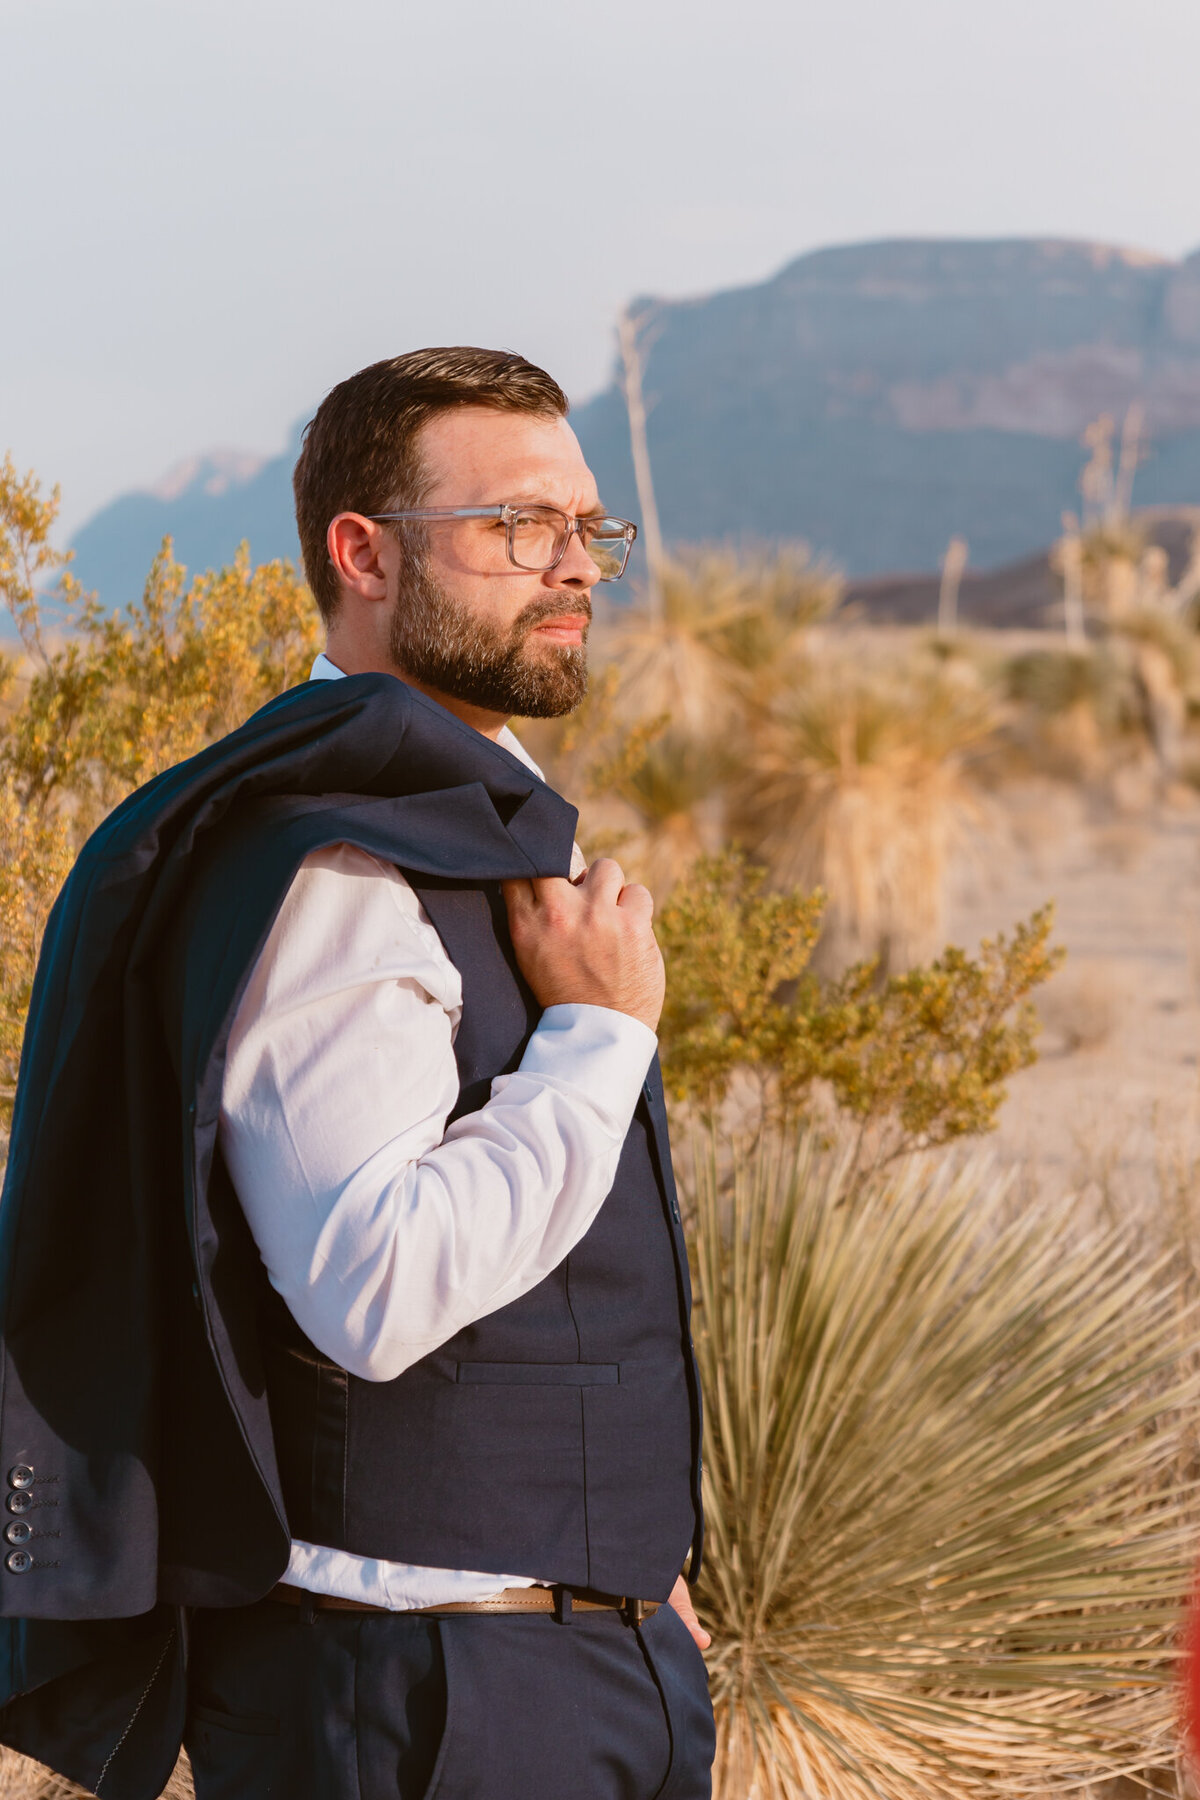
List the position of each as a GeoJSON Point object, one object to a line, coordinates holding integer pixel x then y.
{"type": "Point", "coordinates": [23, 1779]}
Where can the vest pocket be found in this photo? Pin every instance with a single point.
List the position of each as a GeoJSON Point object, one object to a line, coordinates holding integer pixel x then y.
{"type": "Point", "coordinates": [246, 1724]}
{"type": "Point", "coordinates": [574, 1374]}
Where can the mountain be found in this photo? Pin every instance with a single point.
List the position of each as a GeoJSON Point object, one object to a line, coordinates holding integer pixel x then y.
{"type": "Point", "coordinates": [874, 399]}
{"type": "Point", "coordinates": [208, 504]}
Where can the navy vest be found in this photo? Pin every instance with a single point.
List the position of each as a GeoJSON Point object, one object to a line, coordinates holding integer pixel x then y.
{"type": "Point", "coordinates": [559, 1436]}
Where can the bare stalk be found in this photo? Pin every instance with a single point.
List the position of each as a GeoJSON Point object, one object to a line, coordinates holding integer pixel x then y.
{"type": "Point", "coordinates": [953, 565]}
{"type": "Point", "coordinates": [1131, 459]}
{"type": "Point", "coordinates": [629, 336]}
{"type": "Point", "coordinates": [1071, 552]}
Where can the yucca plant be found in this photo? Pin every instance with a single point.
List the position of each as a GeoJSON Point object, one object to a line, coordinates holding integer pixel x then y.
{"type": "Point", "coordinates": [948, 1532]}
{"type": "Point", "coordinates": [675, 792]}
{"type": "Point", "coordinates": [23, 1779]}
{"type": "Point", "coordinates": [730, 627]}
{"type": "Point", "coordinates": [1087, 714]}
{"type": "Point", "coordinates": [859, 788]}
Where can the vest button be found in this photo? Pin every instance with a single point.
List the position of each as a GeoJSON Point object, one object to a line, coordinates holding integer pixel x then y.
{"type": "Point", "coordinates": [18, 1561]}
{"type": "Point", "coordinates": [21, 1476]}
{"type": "Point", "coordinates": [19, 1502]}
{"type": "Point", "coordinates": [17, 1531]}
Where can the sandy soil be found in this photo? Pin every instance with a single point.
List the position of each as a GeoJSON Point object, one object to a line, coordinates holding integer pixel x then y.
{"type": "Point", "coordinates": [1112, 1104]}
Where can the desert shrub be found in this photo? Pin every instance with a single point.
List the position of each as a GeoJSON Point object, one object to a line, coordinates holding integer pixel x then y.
{"type": "Point", "coordinates": [28, 560]}
{"type": "Point", "coordinates": [35, 855]}
{"type": "Point", "coordinates": [948, 1537]}
{"type": "Point", "coordinates": [916, 1059]}
{"type": "Point", "coordinates": [122, 695]}
{"type": "Point", "coordinates": [1055, 680]}
{"type": "Point", "coordinates": [130, 693]}
{"type": "Point", "coordinates": [108, 700]}
{"type": "Point", "coordinates": [1174, 636]}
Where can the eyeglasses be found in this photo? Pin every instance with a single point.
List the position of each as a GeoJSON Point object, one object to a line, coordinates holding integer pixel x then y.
{"type": "Point", "coordinates": [536, 537]}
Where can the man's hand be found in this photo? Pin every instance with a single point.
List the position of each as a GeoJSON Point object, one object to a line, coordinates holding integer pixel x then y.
{"type": "Point", "coordinates": [681, 1600]}
{"type": "Point", "coordinates": [588, 943]}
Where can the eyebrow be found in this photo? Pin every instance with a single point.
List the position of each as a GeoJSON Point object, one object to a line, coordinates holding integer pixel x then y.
{"type": "Point", "coordinates": [599, 511]}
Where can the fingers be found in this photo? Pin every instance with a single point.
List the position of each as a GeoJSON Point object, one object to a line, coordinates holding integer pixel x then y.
{"type": "Point", "coordinates": [518, 897]}
{"type": "Point", "coordinates": [589, 943]}
{"type": "Point", "coordinates": [604, 879]}
{"type": "Point", "coordinates": [547, 888]}
{"type": "Point", "coordinates": [525, 896]}
{"type": "Point", "coordinates": [637, 900]}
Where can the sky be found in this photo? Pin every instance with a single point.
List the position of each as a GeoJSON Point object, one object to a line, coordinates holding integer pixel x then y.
{"type": "Point", "coordinates": [216, 210]}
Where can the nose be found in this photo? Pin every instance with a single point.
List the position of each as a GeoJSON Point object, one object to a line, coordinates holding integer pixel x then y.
{"type": "Point", "coordinates": [576, 570]}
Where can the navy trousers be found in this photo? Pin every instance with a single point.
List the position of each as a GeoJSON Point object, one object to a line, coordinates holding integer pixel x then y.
{"type": "Point", "coordinates": [288, 1705]}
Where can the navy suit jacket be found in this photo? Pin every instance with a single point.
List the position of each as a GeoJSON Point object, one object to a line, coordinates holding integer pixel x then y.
{"type": "Point", "coordinates": [130, 1381]}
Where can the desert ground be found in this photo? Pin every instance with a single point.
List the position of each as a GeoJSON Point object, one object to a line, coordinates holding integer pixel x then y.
{"type": "Point", "coordinates": [1110, 1108]}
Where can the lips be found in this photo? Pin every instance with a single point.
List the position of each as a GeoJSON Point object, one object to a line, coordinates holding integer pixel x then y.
{"type": "Point", "coordinates": [568, 629]}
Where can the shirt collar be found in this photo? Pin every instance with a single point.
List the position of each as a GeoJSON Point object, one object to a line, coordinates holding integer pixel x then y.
{"type": "Point", "coordinates": [324, 670]}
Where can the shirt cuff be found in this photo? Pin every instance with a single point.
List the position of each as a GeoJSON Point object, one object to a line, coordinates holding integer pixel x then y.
{"type": "Point", "coordinates": [604, 1053]}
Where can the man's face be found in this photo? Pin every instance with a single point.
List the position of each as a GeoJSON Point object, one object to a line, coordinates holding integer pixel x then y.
{"type": "Point", "coordinates": [466, 623]}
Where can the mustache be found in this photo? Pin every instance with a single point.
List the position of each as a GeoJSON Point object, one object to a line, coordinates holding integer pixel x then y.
{"type": "Point", "coordinates": [538, 611]}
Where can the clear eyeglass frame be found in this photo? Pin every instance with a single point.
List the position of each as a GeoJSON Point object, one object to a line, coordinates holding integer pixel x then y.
{"type": "Point", "coordinates": [527, 526]}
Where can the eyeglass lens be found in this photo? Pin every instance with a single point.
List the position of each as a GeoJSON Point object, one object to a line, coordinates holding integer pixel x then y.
{"type": "Point", "coordinates": [537, 535]}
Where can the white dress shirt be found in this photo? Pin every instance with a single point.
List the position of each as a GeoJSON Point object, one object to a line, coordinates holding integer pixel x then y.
{"type": "Point", "coordinates": [384, 1232]}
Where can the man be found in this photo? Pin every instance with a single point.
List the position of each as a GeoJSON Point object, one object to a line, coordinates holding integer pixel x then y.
{"type": "Point", "coordinates": [412, 1044]}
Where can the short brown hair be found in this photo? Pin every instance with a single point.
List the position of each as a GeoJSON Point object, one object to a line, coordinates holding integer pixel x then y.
{"type": "Point", "coordinates": [360, 451]}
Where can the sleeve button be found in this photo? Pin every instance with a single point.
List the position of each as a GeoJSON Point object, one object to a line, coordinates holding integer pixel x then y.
{"type": "Point", "coordinates": [20, 1476]}
{"type": "Point", "coordinates": [18, 1531]}
{"type": "Point", "coordinates": [18, 1561]}
{"type": "Point", "coordinates": [19, 1502]}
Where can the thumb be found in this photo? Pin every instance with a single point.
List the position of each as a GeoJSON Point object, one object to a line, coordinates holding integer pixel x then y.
{"type": "Point", "coordinates": [681, 1600]}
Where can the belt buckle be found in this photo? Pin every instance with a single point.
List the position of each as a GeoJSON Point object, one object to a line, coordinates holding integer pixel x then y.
{"type": "Point", "coordinates": [633, 1611]}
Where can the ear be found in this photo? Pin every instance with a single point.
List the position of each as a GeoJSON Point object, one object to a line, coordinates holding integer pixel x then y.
{"type": "Point", "coordinates": [356, 548]}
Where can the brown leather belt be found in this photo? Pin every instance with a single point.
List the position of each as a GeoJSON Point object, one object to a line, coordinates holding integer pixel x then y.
{"type": "Point", "coordinates": [558, 1600]}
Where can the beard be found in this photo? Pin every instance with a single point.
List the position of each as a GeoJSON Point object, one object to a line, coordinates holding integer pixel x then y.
{"type": "Point", "coordinates": [438, 643]}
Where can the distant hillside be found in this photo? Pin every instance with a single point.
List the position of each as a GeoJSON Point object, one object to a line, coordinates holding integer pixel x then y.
{"type": "Point", "coordinates": [874, 400]}
{"type": "Point", "coordinates": [1023, 595]}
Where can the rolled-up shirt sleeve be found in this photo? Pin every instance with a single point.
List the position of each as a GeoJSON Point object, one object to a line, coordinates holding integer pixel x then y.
{"type": "Point", "coordinates": [384, 1231]}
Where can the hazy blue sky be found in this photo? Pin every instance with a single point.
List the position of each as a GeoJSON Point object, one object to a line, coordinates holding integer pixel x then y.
{"type": "Point", "coordinates": [217, 208]}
